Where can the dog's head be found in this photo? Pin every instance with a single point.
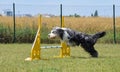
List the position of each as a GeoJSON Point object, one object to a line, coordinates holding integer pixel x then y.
{"type": "Point", "coordinates": [56, 32]}
{"type": "Point", "coordinates": [64, 34]}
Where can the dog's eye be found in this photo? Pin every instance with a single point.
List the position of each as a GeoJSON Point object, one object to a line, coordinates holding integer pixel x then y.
{"type": "Point", "coordinates": [54, 32]}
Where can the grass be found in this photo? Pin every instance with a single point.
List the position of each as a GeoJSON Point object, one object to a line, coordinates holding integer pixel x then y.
{"type": "Point", "coordinates": [26, 27]}
{"type": "Point", "coordinates": [12, 59]}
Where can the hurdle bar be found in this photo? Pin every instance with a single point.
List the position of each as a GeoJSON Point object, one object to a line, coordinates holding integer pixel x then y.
{"type": "Point", "coordinates": [47, 47]}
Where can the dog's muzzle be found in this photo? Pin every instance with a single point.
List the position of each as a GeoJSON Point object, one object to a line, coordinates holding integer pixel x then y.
{"type": "Point", "coordinates": [51, 36]}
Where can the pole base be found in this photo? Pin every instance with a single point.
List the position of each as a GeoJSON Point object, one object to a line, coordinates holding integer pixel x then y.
{"type": "Point", "coordinates": [30, 59]}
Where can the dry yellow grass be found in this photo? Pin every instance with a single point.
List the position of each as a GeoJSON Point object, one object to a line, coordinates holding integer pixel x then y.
{"type": "Point", "coordinates": [6, 21]}
{"type": "Point", "coordinates": [82, 23]}
{"type": "Point", "coordinates": [89, 23]}
{"type": "Point", "coordinates": [27, 26]}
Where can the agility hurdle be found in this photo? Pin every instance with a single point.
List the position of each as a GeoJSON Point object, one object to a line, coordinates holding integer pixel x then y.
{"type": "Point", "coordinates": [36, 47]}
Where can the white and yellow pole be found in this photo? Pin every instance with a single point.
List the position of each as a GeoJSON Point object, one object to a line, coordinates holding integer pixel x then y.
{"type": "Point", "coordinates": [65, 49]}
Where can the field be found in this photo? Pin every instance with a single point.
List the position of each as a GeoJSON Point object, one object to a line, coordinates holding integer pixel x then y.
{"type": "Point", "coordinates": [12, 59]}
{"type": "Point", "coordinates": [12, 55]}
{"type": "Point", "coordinates": [26, 27]}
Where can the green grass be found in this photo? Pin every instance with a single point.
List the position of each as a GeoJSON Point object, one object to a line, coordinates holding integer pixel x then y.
{"type": "Point", "coordinates": [12, 59]}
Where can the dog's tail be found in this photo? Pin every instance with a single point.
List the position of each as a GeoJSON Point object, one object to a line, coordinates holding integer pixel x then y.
{"type": "Point", "coordinates": [99, 34]}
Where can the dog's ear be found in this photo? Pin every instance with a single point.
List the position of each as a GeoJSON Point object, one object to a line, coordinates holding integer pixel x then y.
{"type": "Point", "coordinates": [60, 33]}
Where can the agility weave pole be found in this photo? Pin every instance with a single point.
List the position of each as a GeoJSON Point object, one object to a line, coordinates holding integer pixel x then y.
{"type": "Point", "coordinates": [36, 47]}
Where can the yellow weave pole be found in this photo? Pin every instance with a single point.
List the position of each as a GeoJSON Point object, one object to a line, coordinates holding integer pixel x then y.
{"type": "Point", "coordinates": [36, 50]}
{"type": "Point", "coordinates": [65, 49]}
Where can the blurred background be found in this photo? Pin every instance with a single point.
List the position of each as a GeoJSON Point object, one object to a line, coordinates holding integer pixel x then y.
{"type": "Point", "coordinates": [19, 22]}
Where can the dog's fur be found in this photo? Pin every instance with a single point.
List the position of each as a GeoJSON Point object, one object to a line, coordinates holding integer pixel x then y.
{"type": "Point", "coordinates": [73, 38]}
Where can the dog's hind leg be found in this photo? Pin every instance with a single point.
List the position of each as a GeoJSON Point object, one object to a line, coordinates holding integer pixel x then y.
{"type": "Point", "coordinates": [90, 49]}
{"type": "Point", "coordinates": [93, 52]}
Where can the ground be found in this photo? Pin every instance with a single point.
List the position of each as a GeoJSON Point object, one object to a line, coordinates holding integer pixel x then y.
{"type": "Point", "coordinates": [12, 59]}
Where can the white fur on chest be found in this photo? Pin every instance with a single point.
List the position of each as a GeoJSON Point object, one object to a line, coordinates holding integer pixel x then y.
{"type": "Point", "coordinates": [66, 36]}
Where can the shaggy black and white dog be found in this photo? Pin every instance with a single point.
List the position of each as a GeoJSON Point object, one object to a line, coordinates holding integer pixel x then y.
{"type": "Point", "coordinates": [73, 38]}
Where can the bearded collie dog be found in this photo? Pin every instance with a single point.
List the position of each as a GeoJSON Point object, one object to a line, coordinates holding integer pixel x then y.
{"type": "Point", "coordinates": [74, 38]}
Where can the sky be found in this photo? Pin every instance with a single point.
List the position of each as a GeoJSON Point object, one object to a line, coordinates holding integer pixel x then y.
{"type": "Point", "coordinates": [81, 7]}
{"type": "Point", "coordinates": [66, 2]}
